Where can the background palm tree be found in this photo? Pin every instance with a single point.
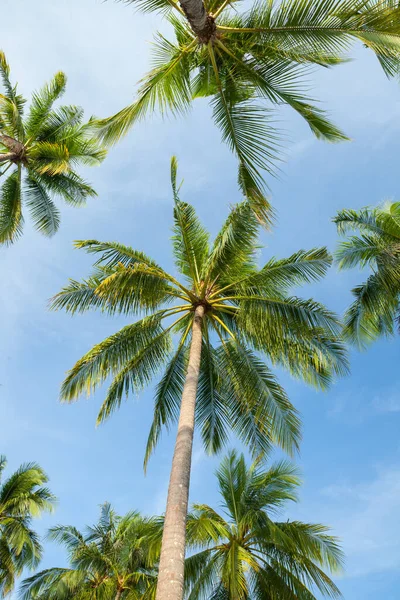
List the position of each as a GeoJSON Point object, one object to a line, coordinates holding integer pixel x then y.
{"type": "Point", "coordinates": [227, 309]}
{"type": "Point", "coordinates": [22, 497]}
{"type": "Point", "coordinates": [245, 553]}
{"type": "Point", "coordinates": [244, 62]}
{"type": "Point", "coordinates": [47, 145]}
{"type": "Point", "coordinates": [377, 301]}
{"type": "Point", "coordinates": [113, 560]}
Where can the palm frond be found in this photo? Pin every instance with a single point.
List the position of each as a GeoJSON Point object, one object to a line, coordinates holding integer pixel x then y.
{"type": "Point", "coordinates": [137, 372]}
{"type": "Point", "coordinates": [109, 357]}
{"type": "Point", "coordinates": [41, 104]}
{"type": "Point", "coordinates": [113, 254]}
{"type": "Point", "coordinates": [259, 410]}
{"type": "Point", "coordinates": [12, 104]}
{"type": "Point", "coordinates": [211, 412]}
{"type": "Point", "coordinates": [233, 251]}
{"type": "Point", "coordinates": [280, 275]}
{"type": "Point", "coordinates": [137, 288]}
{"type": "Point", "coordinates": [166, 86]}
{"type": "Point", "coordinates": [44, 213]}
{"type": "Point", "coordinates": [70, 186]}
{"type": "Point", "coordinates": [148, 6]}
{"type": "Point", "coordinates": [49, 158]}
{"type": "Point", "coordinates": [11, 219]}
{"type": "Point", "coordinates": [372, 313]}
{"type": "Point", "coordinates": [377, 245]}
{"type": "Point", "coordinates": [167, 398]}
{"type": "Point", "coordinates": [80, 296]}
{"type": "Point", "coordinates": [190, 239]}
{"type": "Point", "coordinates": [245, 129]}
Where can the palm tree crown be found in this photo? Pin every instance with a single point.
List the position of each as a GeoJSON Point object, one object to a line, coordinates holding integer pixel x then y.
{"type": "Point", "coordinates": [226, 311]}
{"type": "Point", "coordinates": [244, 553]}
{"type": "Point", "coordinates": [244, 61]}
{"type": "Point", "coordinates": [247, 310]}
{"type": "Point", "coordinates": [48, 144]}
{"type": "Point", "coordinates": [22, 497]}
{"type": "Point", "coordinates": [112, 560]}
{"type": "Point", "coordinates": [377, 301]}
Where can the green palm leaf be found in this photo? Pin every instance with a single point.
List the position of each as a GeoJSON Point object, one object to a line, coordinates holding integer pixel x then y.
{"type": "Point", "coordinates": [45, 215]}
{"type": "Point", "coordinates": [42, 102]}
{"type": "Point", "coordinates": [11, 219]}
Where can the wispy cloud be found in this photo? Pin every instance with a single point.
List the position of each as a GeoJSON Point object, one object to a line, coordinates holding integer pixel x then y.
{"type": "Point", "coordinates": [364, 516]}
{"type": "Point", "coordinates": [357, 407]}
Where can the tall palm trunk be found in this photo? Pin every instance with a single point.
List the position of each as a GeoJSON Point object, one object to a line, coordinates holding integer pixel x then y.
{"type": "Point", "coordinates": [200, 21]}
{"type": "Point", "coordinates": [172, 559]}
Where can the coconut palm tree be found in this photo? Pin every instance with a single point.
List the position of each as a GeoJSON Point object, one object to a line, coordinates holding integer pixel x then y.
{"type": "Point", "coordinates": [377, 301]}
{"type": "Point", "coordinates": [47, 145]}
{"type": "Point", "coordinates": [22, 497]}
{"type": "Point", "coordinates": [227, 310]}
{"type": "Point", "coordinates": [243, 553]}
{"type": "Point", "coordinates": [248, 61]}
{"type": "Point", "coordinates": [113, 560]}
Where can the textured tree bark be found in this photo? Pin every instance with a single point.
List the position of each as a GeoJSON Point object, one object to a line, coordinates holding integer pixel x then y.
{"type": "Point", "coordinates": [200, 21]}
{"type": "Point", "coordinates": [172, 559]}
{"type": "Point", "coordinates": [13, 145]}
{"type": "Point", "coordinates": [118, 595]}
{"type": "Point", "coordinates": [8, 156]}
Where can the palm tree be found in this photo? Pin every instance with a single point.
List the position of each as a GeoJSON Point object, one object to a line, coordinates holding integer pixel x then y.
{"type": "Point", "coordinates": [244, 62]}
{"type": "Point", "coordinates": [227, 312]}
{"type": "Point", "coordinates": [22, 497]}
{"type": "Point", "coordinates": [377, 301]}
{"type": "Point", "coordinates": [47, 145]}
{"type": "Point", "coordinates": [244, 553]}
{"type": "Point", "coordinates": [113, 560]}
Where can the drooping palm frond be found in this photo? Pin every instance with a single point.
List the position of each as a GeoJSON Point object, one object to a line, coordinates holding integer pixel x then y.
{"type": "Point", "coordinates": [46, 146]}
{"type": "Point", "coordinates": [11, 219]}
{"type": "Point", "coordinates": [245, 554]}
{"type": "Point", "coordinates": [375, 309]}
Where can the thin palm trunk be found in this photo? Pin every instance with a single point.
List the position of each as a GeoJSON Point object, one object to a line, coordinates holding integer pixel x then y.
{"type": "Point", "coordinates": [118, 595]}
{"type": "Point", "coordinates": [172, 559]}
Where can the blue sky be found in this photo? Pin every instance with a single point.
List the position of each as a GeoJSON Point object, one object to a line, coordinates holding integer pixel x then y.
{"type": "Point", "coordinates": [350, 456]}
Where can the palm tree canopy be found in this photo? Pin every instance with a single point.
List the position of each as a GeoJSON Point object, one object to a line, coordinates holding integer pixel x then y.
{"type": "Point", "coordinates": [116, 557]}
{"type": "Point", "coordinates": [246, 61]}
{"type": "Point", "coordinates": [377, 245]}
{"type": "Point", "coordinates": [22, 497]}
{"type": "Point", "coordinates": [249, 311]}
{"type": "Point", "coordinates": [46, 146]}
{"type": "Point", "coordinates": [242, 553]}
